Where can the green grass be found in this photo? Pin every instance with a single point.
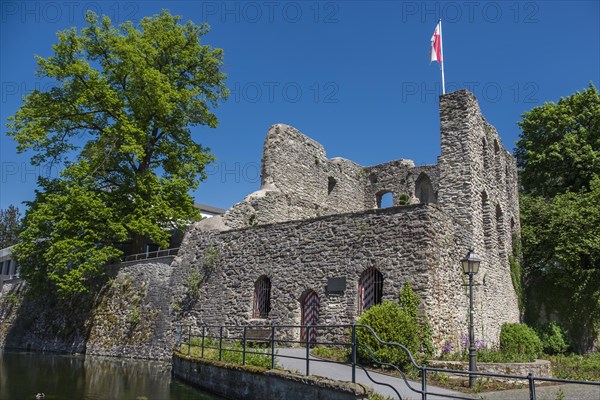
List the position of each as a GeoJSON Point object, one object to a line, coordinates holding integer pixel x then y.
{"type": "Point", "coordinates": [572, 366]}
{"type": "Point", "coordinates": [231, 352]}
{"type": "Point", "coordinates": [586, 368]}
{"type": "Point", "coordinates": [338, 354]}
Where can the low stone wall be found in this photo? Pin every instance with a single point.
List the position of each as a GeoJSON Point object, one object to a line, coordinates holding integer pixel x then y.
{"type": "Point", "coordinates": [248, 382]}
{"type": "Point", "coordinates": [537, 368]}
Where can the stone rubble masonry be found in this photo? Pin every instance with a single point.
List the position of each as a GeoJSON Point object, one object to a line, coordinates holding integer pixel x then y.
{"type": "Point", "coordinates": [299, 256]}
{"type": "Point", "coordinates": [314, 218]}
{"type": "Point", "coordinates": [130, 316]}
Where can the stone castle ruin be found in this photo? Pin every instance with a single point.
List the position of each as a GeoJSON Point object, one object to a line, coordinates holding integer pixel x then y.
{"type": "Point", "coordinates": [313, 245]}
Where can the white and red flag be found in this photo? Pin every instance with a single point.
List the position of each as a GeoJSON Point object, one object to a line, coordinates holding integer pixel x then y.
{"type": "Point", "coordinates": [437, 51]}
{"type": "Point", "coordinates": [436, 43]}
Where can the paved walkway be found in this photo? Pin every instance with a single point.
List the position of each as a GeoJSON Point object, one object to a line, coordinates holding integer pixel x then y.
{"type": "Point", "coordinates": [570, 392]}
{"type": "Point", "coordinates": [344, 373]}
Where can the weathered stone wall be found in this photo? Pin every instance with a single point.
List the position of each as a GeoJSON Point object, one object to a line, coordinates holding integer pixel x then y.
{"type": "Point", "coordinates": [129, 317]}
{"type": "Point", "coordinates": [401, 177]}
{"type": "Point", "coordinates": [298, 182]}
{"type": "Point", "coordinates": [417, 244]}
{"type": "Point", "coordinates": [478, 186]}
{"type": "Point", "coordinates": [133, 317]}
{"type": "Point", "coordinates": [42, 323]}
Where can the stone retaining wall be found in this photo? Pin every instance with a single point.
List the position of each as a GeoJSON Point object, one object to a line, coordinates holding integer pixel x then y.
{"type": "Point", "coordinates": [247, 382]}
{"type": "Point", "coordinates": [130, 316]}
{"type": "Point", "coordinates": [537, 368]}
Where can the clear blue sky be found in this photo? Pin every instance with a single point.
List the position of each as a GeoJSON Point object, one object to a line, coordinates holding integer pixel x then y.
{"type": "Point", "coordinates": [354, 75]}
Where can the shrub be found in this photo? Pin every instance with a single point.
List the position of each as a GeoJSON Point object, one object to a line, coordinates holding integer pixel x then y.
{"type": "Point", "coordinates": [409, 302]}
{"type": "Point", "coordinates": [554, 338]}
{"type": "Point", "coordinates": [392, 324]}
{"type": "Point", "coordinates": [398, 323]}
{"type": "Point", "coordinates": [520, 339]}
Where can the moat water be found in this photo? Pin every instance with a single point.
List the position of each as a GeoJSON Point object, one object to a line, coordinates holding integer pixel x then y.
{"type": "Point", "coordinates": [70, 377]}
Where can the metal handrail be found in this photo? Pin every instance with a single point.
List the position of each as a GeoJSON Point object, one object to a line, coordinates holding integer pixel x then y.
{"type": "Point", "coordinates": [354, 344]}
{"type": "Point", "coordinates": [152, 254]}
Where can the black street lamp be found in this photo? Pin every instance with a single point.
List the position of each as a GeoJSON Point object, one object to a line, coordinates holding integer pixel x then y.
{"type": "Point", "coordinates": [470, 266]}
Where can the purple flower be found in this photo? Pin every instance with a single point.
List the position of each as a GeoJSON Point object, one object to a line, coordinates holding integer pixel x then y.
{"type": "Point", "coordinates": [447, 348]}
{"type": "Point", "coordinates": [479, 344]}
{"type": "Point", "coordinates": [464, 339]}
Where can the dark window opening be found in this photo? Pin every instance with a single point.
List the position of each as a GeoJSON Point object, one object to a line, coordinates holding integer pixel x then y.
{"type": "Point", "coordinates": [500, 229]}
{"type": "Point", "coordinates": [331, 184]}
{"type": "Point", "coordinates": [262, 297]}
{"type": "Point", "coordinates": [486, 161]}
{"type": "Point", "coordinates": [424, 189]}
{"type": "Point", "coordinates": [370, 289]}
{"type": "Point", "coordinates": [487, 220]}
{"type": "Point", "coordinates": [373, 178]}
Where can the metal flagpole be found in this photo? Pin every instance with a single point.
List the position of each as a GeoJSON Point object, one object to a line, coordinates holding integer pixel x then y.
{"type": "Point", "coordinates": [442, 61]}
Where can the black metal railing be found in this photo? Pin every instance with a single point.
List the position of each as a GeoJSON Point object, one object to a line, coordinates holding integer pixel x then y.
{"type": "Point", "coordinates": [221, 339]}
{"type": "Point", "coordinates": [152, 254]}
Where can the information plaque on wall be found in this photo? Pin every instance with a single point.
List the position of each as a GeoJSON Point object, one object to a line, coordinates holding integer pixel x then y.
{"type": "Point", "coordinates": [336, 285]}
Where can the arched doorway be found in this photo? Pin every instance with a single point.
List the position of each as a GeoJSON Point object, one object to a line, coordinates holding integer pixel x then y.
{"type": "Point", "coordinates": [310, 316]}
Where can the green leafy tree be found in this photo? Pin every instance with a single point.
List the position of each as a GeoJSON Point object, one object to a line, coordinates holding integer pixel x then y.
{"type": "Point", "coordinates": [559, 147]}
{"type": "Point", "coordinates": [10, 226]}
{"type": "Point", "coordinates": [120, 117]}
{"type": "Point", "coordinates": [559, 159]}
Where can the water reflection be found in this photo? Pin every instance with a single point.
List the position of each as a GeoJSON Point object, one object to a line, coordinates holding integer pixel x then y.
{"type": "Point", "coordinates": [22, 375]}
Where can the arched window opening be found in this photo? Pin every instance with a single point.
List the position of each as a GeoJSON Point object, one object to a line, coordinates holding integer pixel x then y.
{"type": "Point", "coordinates": [331, 182]}
{"type": "Point", "coordinates": [373, 178]}
{"type": "Point", "coordinates": [497, 161]}
{"type": "Point", "coordinates": [385, 199]}
{"type": "Point", "coordinates": [310, 316]}
{"type": "Point", "coordinates": [262, 297]}
{"type": "Point", "coordinates": [486, 160]}
{"type": "Point", "coordinates": [500, 229]}
{"type": "Point", "coordinates": [370, 289]}
{"type": "Point", "coordinates": [487, 220]}
{"type": "Point", "coordinates": [424, 189]}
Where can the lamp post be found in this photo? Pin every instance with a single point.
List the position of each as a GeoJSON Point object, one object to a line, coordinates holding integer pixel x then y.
{"type": "Point", "coordinates": [470, 266]}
